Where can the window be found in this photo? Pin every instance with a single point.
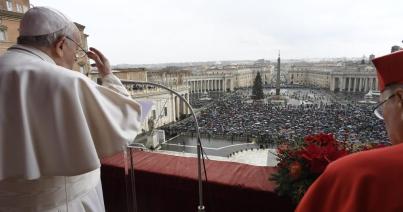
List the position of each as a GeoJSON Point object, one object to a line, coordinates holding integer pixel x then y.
{"type": "Point", "coordinates": [19, 7]}
{"type": "Point", "coordinates": [165, 111]}
{"type": "Point", "coordinates": [9, 5]}
{"type": "Point", "coordinates": [2, 35]}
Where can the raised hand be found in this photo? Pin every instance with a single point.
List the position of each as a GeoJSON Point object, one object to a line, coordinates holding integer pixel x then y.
{"type": "Point", "coordinates": [101, 62]}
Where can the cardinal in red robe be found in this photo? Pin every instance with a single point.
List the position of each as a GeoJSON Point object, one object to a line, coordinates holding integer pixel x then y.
{"type": "Point", "coordinates": [371, 180]}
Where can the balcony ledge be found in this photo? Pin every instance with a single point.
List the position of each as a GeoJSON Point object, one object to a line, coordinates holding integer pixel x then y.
{"type": "Point", "coordinates": [169, 183]}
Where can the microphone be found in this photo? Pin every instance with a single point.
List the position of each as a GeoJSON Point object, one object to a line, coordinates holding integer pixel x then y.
{"type": "Point", "coordinates": [200, 153]}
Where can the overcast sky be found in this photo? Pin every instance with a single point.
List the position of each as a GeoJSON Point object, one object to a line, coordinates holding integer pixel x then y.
{"type": "Point", "coordinates": [159, 31]}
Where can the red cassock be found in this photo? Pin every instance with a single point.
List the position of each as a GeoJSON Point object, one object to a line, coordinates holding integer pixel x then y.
{"type": "Point", "coordinates": [367, 181]}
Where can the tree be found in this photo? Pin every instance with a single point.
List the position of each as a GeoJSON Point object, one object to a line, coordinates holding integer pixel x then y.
{"type": "Point", "coordinates": [257, 89]}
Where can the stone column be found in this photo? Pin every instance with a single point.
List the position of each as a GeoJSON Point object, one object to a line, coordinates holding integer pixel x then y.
{"type": "Point", "coordinates": [374, 84]}
{"type": "Point", "coordinates": [366, 85]}
{"type": "Point", "coordinates": [358, 84]}
{"type": "Point", "coordinates": [187, 108]}
{"type": "Point", "coordinates": [190, 86]}
{"type": "Point", "coordinates": [343, 84]}
{"type": "Point", "coordinates": [182, 105]}
{"type": "Point", "coordinates": [177, 101]}
{"type": "Point", "coordinates": [353, 82]}
{"type": "Point", "coordinates": [220, 85]}
{"type": "Point", "coordinates": [370, 84]}
{"type": "Point", "coordinates": [363, 84]}
{"type": "Point", "coordinates": [173, 99]}
{"type": "Point", "coordinates": [201, 86]}
{"type": "Point", "coordinates": [230, 85]}
{"type": "Point", "coordinates": [211, 85]}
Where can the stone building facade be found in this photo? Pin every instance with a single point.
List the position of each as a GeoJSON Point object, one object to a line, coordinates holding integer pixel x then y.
{"type": "Point", "coordinates": [11, 12]}
{"type": "Point", "coordinates": [341, 77]}
{"type": "Point", "coordinates": [228, 78]}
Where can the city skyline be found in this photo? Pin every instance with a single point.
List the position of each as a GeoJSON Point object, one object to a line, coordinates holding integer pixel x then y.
{"type": "Point", "coordinates": [135, 32]}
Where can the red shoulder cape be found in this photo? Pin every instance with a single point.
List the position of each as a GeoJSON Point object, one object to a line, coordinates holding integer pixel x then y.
{"type": "Point", "coordinates": [366, 181]}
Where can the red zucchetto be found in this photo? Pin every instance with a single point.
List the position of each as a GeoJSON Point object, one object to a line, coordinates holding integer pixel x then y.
{"type": "Point", "coordinates": [389, 69]}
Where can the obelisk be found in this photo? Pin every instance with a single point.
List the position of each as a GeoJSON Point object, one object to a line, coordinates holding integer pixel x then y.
{"type": "Point", "coordinates": [278, 76]}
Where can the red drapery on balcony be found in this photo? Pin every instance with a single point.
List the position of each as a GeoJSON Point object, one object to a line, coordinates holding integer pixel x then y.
{"type": "Point", "coordinates": [169, 183]}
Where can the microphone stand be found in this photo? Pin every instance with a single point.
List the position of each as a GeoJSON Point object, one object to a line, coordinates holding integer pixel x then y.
{"type": "Point", "coordinates": [200, 207]}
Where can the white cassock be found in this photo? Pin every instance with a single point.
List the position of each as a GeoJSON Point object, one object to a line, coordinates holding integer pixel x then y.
{"type": "Point", "coordinates": [55, 124]}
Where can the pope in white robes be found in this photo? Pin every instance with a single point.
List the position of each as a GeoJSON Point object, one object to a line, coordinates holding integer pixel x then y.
{"type": "Point", "coordinates": [55, 124]}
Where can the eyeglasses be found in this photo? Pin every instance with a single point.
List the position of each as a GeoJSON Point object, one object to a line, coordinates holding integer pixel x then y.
{"type": "Point", "coordinates": [378, 110]}
{"type": "Point", "coordinates": [79, 52]}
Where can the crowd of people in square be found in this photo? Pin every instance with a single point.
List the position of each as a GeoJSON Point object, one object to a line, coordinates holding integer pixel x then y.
{"type": "Point", "coordinates": [235, 116]}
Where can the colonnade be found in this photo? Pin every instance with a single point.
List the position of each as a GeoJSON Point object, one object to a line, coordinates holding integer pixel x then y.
{"type": "Point", "coordinates": [354, 84]}
{"type": "Point", "coordinates": [179, 106]}
{"type": "Point", "coordinates": [204, 85]}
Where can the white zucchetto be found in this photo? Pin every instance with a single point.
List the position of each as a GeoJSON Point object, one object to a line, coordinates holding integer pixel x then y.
{"type": "Point", "coordinates": [42, 21]}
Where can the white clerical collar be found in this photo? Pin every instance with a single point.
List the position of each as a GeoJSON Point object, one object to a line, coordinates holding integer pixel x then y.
{"type": "Point", "coordinates": [42, 55]}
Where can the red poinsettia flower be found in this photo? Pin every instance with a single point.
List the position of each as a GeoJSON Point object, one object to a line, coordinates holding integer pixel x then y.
{"type": "Point", "coordinates": [304, 160]}
{"type": "Point", "coordinates": [321, 150]}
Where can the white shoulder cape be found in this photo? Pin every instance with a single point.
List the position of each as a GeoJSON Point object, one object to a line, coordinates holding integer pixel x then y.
{"type": "Point", "coordinates": [57, 122]}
